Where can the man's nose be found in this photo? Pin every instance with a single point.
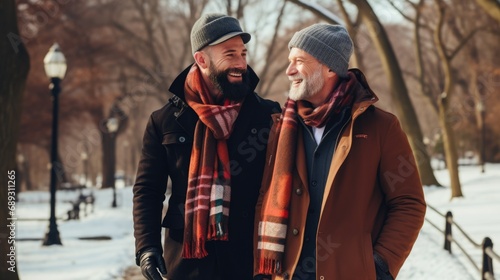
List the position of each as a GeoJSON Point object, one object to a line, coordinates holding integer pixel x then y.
{"type": "Point", "coordinates": [291, 69]}
{"type": "Point", "coordinates": [240, 63]}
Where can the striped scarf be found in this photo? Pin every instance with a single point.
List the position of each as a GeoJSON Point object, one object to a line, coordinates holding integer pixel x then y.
{"type": "Point", "coordinates": [275, 206]}
{"type": "Point", "coordinates": [209, 191]}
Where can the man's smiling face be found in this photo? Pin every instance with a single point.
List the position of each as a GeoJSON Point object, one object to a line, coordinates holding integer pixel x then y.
{"type": "Point", "coordinates": [228, 68]}
{"type": "Point", "coordinates": [305, 74]}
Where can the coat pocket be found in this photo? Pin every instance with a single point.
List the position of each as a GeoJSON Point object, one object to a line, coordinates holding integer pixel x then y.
{"type": "Point", "coordinates": [178, 145]}
{"type": "Point", "coordinates": [176, 137]}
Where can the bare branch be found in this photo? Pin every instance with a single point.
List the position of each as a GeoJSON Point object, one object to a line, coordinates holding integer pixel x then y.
{"type": "Point", "coordinates": [270, 51]}
{"type": "Point", "coordinates": [464, 41]}
{"type": "Point", "coordinates": [401, 12]}
{"type": "Point", "coordinates": [318, 11]}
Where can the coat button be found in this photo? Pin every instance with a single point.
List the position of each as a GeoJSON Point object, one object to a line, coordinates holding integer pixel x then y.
{"type": "Point", "coordinates": [322, 277]}
{"type": "Point", "coordinates": [298, 191]}
{"type": "Point", "coordinates": [182, 139]}
{"type": "Point", "coordinates": [254, 130]}
{"type": "Point", "coordinates": [314, 183]}
{"type": "Point", "coordinates": [295, 231]}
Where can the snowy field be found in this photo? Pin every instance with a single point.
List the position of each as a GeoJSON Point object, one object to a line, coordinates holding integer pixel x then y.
{"type": "Point", "coordinates": [478, 213]}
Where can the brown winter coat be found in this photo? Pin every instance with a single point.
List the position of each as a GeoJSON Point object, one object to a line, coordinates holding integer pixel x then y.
{"type": "Point", "coordinates": [373, 199]}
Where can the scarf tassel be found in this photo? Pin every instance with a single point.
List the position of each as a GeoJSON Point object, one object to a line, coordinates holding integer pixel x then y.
{"type": "Point", "coordinates": [269, 266]}
{"type": "Point", "coordinates": [198, 252]}
{"type": "Point", "coordinates": [218, 231]}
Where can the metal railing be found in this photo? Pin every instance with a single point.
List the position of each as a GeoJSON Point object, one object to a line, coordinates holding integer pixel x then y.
{"type": "Point", "coordinates": [488, 255]}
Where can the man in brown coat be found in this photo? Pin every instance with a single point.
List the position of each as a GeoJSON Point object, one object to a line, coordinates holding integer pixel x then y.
{"type": "Point", "coordinates": [210, 141]}
{"type": "Point", "coordinates": [341, 196]}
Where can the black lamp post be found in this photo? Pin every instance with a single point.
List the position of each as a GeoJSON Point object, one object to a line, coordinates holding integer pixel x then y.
{"type": "Point", "coordinates": [55, 68]}
{"type": "Point", "coordinates": [482, 111]}
{"type": "Point", "coordinates": [125, 160]}
{"type": "Point", "coordinates": [112, 126]}
{"type": "Point", "coordinates": [85, 158]}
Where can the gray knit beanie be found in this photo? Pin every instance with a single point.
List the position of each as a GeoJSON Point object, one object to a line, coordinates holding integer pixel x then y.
{"type": "Point", "coordinates": [213, 29]}
{"type": "Point", "coordinates": [330, 44]}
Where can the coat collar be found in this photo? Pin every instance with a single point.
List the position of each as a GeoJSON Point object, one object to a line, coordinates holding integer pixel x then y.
{"type": "Point", "coordinates": [364, 95]}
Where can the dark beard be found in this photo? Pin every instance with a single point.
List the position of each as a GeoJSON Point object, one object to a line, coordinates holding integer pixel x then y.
{"type": "Point", "coordinates": [231, 91]}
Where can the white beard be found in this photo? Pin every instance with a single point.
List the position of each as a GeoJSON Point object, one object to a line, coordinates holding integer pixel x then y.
{"type": "Point", "coordinates": [308, 87]}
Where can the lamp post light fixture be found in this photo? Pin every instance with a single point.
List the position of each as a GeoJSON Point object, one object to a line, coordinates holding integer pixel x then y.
{"type": "Point", "coordinates": [55, 68]}
{"type": "Point", "coordinates": [112, 126]}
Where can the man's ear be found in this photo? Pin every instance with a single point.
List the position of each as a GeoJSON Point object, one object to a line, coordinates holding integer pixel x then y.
{"type": "Point", "coordinates": [330, 73]}
{"type": "Point", "coordinates": [201, 59]}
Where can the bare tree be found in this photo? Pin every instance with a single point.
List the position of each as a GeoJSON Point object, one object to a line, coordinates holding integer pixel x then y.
{"type": "Point", "coordinates": [13, 70]}
{"type": "Point", "coordinates": [448, 90]}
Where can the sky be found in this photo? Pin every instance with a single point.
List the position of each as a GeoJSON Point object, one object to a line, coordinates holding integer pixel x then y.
{"type": "Point", "coordinates": [478, 213]}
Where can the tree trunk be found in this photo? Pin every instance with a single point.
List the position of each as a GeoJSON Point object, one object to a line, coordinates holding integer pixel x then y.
{"type": "Point", "coordinates": [352, 28]}
{"type": "Point", "coordinates": [14, 68]}
{"type": "Point", "coordinates": [450, 148]}
{"type": "Point", "coordinates": [108, 159]}
{"type": "Point", "coordinates": [475, 89]}
{"type": "Point", "coordinates": [25, 176]}
{"type": "Point", "coordinates": [398, 91]}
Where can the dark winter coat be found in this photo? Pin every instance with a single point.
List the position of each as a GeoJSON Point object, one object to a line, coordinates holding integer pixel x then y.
{"type": "Point", "coordinates": [166, 155]}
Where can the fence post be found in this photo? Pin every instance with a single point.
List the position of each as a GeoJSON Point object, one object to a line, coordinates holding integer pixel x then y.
{"type": "Point", "coordinates": [447, 232]}
{"type": "Point", "coordinates": [487, 270]}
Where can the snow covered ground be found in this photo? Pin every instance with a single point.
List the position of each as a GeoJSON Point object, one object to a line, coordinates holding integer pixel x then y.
{"type": "Point", "coordinates": [478, 213]}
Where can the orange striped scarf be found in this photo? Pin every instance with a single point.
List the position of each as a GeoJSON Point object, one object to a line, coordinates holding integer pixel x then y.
{"type": "Point", "coordinates": [209, 191]}
{"type": "Point", "coordinates": [275, 206]}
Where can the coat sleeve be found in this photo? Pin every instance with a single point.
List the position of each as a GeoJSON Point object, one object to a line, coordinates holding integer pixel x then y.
{"type": "Point", "coordinates": [403, 192]}
{"type": "Point", "coordinates": [149, 189]}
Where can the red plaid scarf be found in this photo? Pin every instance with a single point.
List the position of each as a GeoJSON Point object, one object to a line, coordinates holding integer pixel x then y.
{"type": "Point", "coordinates": [274, 216]}
{"type": "Point", "coordinates": [208, 194]}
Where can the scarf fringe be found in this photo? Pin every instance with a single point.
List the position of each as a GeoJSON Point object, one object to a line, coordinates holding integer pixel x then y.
{"type": "Point", "coordinates": [218, 232]}
{"type": "Point", "coordinates": [269, 266]}
{"type": "Point", "coordinates": [194, 252]}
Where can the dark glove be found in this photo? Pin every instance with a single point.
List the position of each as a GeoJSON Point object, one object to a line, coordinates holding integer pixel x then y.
{"type": "Point", "coordinates": [381, 268]}
{"type": "Point", "coordinates": [151, 261]}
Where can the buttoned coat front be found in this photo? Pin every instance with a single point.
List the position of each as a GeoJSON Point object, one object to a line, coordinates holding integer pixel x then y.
{"type": "Point", "coordinates": [166, 154]}
{"type": "Point", "coordinates": [373, 199]}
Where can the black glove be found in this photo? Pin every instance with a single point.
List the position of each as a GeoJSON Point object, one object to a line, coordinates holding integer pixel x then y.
{"type": "Point", "coordinates": [381, 268]}
{"type": "Point", "coordinates": [151, 261]}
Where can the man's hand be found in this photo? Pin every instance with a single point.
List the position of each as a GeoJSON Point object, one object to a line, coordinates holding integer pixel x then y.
{"type": "Point", "coordinates": [151, 261]}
